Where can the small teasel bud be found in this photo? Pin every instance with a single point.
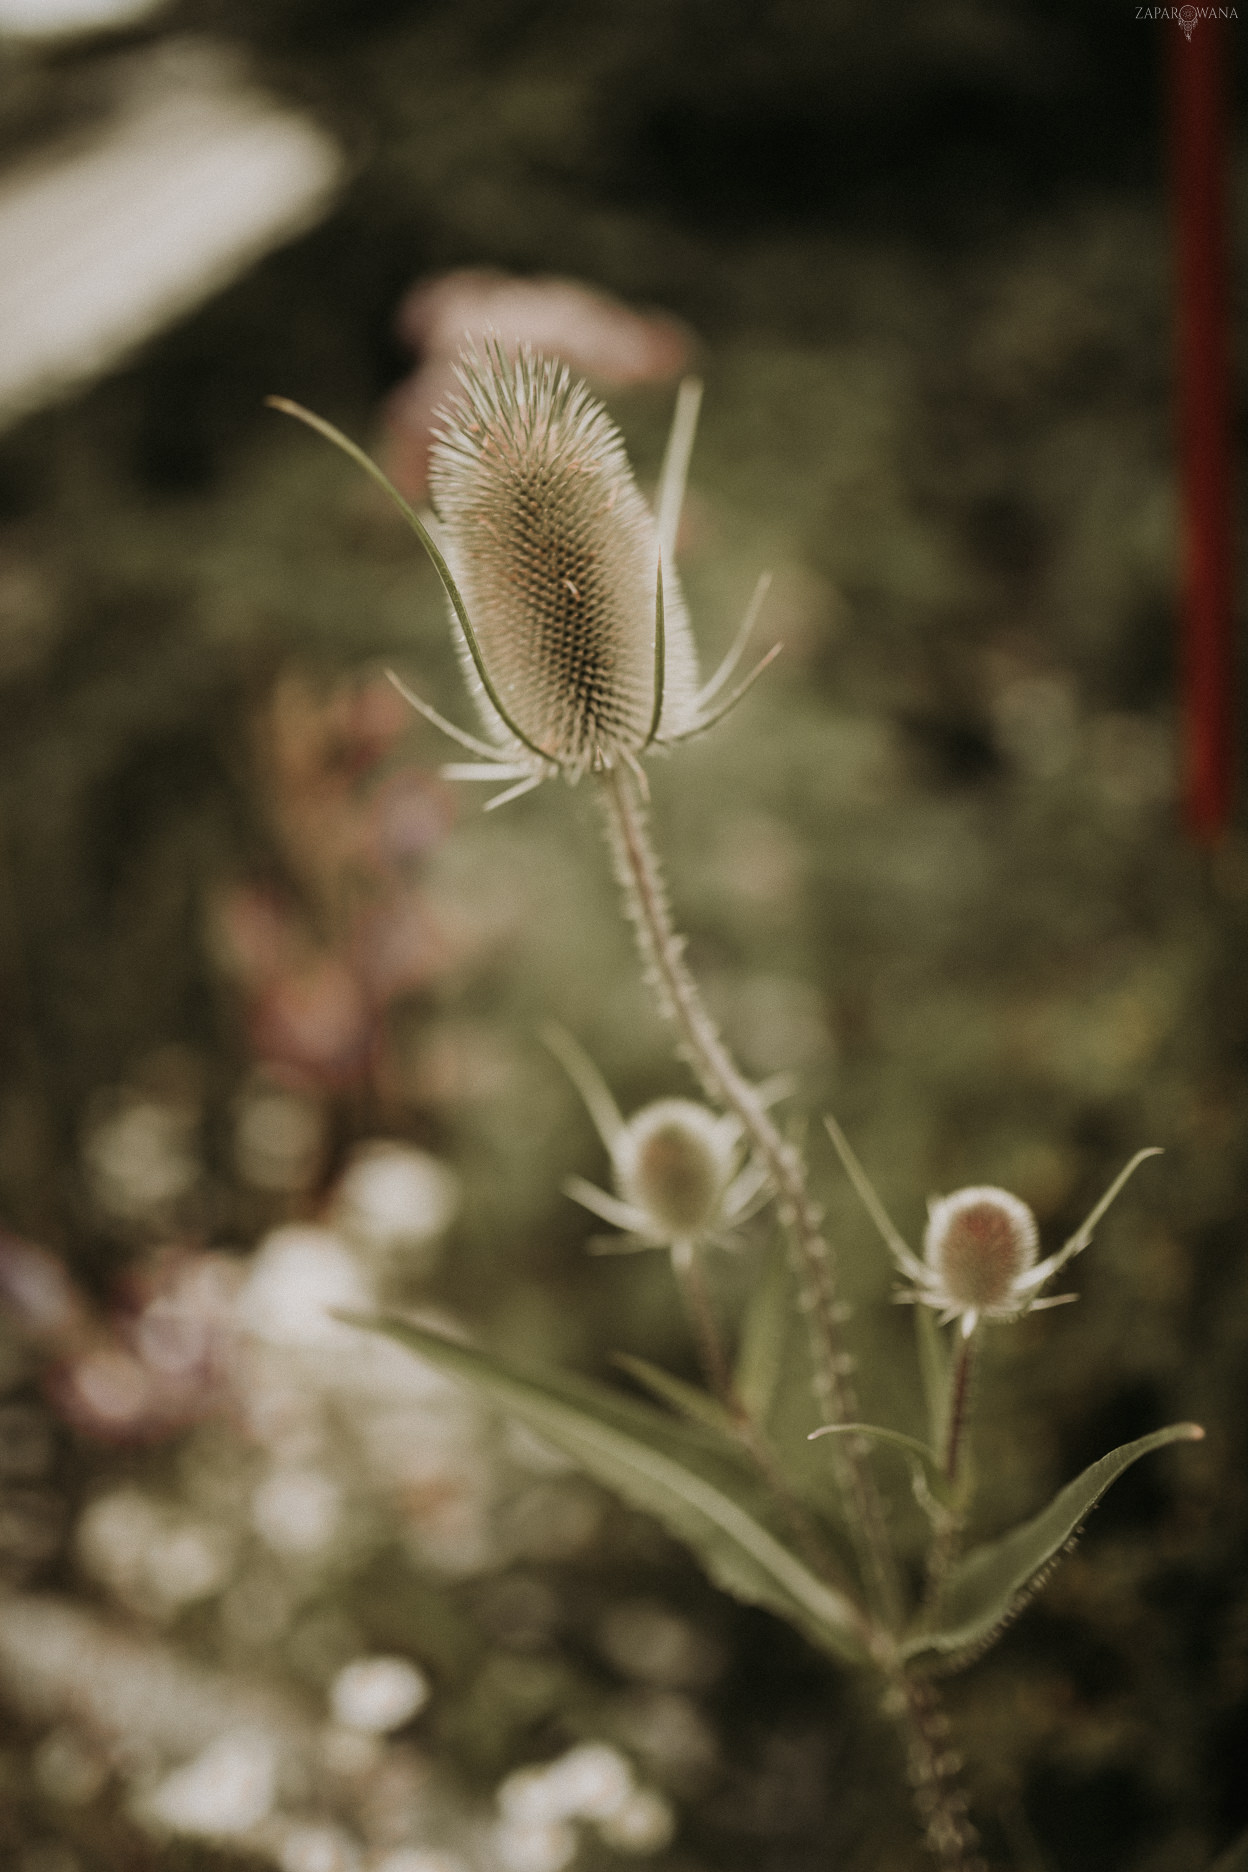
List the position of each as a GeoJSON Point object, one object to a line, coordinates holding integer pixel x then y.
{"type": "Point", "coordinates": [978, 1244]}
{"type": "Point", "coordinates": [674, 1161]}
{"type": "Point", "coordinates": [556, 555]}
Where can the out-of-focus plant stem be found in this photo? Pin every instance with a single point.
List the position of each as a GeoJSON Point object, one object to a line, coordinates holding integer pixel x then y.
{"type": "Point", "coordinates": [934, 1770]}
{"type": "Point", "coordinates": [959, 1409]}
{"type": "Point", "coordinates": [951, 1519]}
{"type": "Point", "coordinates": [914, 1703]}
{"type": "Point", "coordinates": [691, 1278]}
{"type": "Point", "coordinates": [663, 953]}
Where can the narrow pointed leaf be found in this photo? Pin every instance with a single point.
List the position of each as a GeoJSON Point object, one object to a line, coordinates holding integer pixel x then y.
{"type": "Point", "coordinates": [660, 658]}
{"type": "Point", "coordinates": [736, 649]}
{"type": "Point", "coordinates": [908, 1445]}
{"type": "Point", "coordinates": [443, 570]}
{"type": "Point", "coordinates": [675, 469]}
{"type": "Point", "coordinates": [991, 1582]}
{"type": "Point", "coordinates": [692, 1402]}
{"type": "Point", "coordinates": [725, 708]}
{"type": "Point", "coordinates": [677, 1472]}
{"type": "Point", "coordinates": [605, 1114]}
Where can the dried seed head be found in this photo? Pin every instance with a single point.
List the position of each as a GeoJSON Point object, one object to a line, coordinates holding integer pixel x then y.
{"type": "Point", "coordinates": [978, 1245]}
{"type": "Point", "coordinates": [674, 1161]}
{"type": "Point", "coordinates": [556, 554]}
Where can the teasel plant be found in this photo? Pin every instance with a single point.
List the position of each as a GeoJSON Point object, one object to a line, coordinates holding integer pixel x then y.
{"type": "Point", "coordinates": [579, 656]}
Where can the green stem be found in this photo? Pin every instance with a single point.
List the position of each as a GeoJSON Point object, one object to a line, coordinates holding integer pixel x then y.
{"type": "Point", "coordinates": [934, 1771]}
{"type": "Point", "coordinates": [691, 1279]}
{"type": "Point", "coordinates": [662, 950]}
{"type": "Point", "coordinates": [948, 1530]}
{"type": "Point", "coordinates": [915, 1703]}
{"type": "Point", "coordinates": [959, 1409]}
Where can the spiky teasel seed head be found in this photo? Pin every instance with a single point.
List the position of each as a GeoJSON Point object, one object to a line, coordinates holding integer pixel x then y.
{"type": "Point", "coordinates": [978, 1244]}
{"type": "Point", "coordinates": [677, 1166]}
{"type": "Point", "coordinates": [580, 656]}
{"type": "Point", "coordinates": [674, 1161]}
{"type": "Point", "coordinates": [556, 555]}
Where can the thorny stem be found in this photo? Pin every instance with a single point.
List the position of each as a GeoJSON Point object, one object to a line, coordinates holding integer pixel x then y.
{"type": "Point", "coordinates": [915, 1703]}
{"type": "Point", "coordinates": [934, 1769]}
{"type": "Point", "coordinates": [663, 952]}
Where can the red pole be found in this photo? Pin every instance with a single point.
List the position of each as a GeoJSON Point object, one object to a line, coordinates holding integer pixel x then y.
{"type": "Point", "coordinates": [1199, 141]}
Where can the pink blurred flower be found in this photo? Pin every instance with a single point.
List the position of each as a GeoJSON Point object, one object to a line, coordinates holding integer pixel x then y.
{"type": "Point", "coordinates": [321, 750]}
{"type": "Point", "coordinates": [316, 1017]}
{"type": "Point", "coordinates": [161, 1359]}
{"type": "Point", "coordinates": [305, 1007]}
{"type": "Point", "coordinates": [38, 1293]}
{"type": "Point", "coordinates": [315, 1012]}
{"type": "Point", "coordinates": [317, 968]}
{"type": "Point", "coordinates": [594, 333]}
{"type": "Point", "coordinates": [396, 947]}
{"type": "Point", "coordinates": [410, 813]}
{"type": "Point", "coordinates": [157, 1361]}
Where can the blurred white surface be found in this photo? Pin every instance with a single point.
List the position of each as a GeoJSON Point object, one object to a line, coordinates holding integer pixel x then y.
{"type": "Point", "coordinates": [193, 178]}
{"type": "Point", "coordinates": [50, 19]}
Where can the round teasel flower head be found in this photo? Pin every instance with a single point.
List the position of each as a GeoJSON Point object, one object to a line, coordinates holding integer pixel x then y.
{"type": "Point", "coordinates": [679, 1169]}
{"type": "Point", "coordinates": [979, 1247]}
{"type": "Point", "coordinates": [556, 555]}
{"type": "Point", "coordinates": [977, 1244]}
{"type": "Point", "coordinates": [673, 1163]}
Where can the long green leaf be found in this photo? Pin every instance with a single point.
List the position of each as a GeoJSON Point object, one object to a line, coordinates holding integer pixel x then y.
{"type": "Point", "coordinates": [698, 1406]}
{"type": "Point", "coordinates": [908, 1445]}
{"type": "Point", "coordinates": [674, 1471]}
{"type": "Point", "coordinates": [990, 1583]}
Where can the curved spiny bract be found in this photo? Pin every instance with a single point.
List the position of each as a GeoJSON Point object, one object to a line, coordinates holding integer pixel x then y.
{"type": "Point", "coordinates": [556, 555]}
